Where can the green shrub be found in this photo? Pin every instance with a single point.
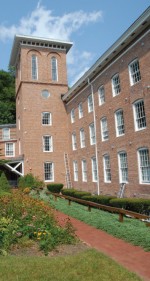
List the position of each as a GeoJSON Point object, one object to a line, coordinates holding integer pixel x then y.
{"type": "Point", "coordinates": [55, 187]}
{"type": "Point", "coordinates": [4, 184]}
{"type": "Point", "coordinates": [30, 181]}
{"type": "Point", "coordinates": [133, 204]}
{"type": "Point", "coordinates": [99, 199]}
{"type": "Point", "coordinates": [75, 193]}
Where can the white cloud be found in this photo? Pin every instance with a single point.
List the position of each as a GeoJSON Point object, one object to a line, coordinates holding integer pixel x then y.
{"type": "Point", "coordinates": [41, 22]}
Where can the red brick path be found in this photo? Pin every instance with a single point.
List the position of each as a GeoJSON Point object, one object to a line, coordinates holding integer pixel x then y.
{"type": "Point", "coordinates": [132, 257]}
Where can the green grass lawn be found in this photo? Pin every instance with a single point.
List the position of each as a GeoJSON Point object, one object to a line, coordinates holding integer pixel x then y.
{"type": "Point", "coordinates": [89, 265]}
{"type": "Point", "coordinates": [131, 230]}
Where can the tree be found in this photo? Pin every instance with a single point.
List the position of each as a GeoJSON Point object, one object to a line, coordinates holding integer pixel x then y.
{"type": "Point", "coordinates": [4, 184]}
{"type": "Point", "coordinates": [7, 97]}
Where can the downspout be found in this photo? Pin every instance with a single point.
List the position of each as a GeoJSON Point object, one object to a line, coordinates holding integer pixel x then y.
{"type": "Point", "coordinates": [96, 151]}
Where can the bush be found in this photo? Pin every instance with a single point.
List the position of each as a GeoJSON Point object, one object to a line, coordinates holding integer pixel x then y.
{"type": "Point", "coordinates": [4, 184]}
{"type": "Point", "coordinates": [30, 181]}
{"type": "Point", "coordinates": [55, 187]}
{"type": "Point", "coordinates": [99, 199]}
{"type": "Point", "coordinates": [133, 204]}
{"type": "Point", "coordinates": [75, 193]}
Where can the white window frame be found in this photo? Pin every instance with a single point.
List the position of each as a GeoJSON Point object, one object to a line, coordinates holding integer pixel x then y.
{"type": "Point", "coordinates": [84, 170]}
{"type": "Point", "coordinates": [104, 129]}
{"type": "Point", "coordinates": [82, 138]}
{"type": "Point", "coordinates": [74, 141]}
{"type": "Point", "coordinates": [75, 170]}
{"type": "Point", "coordinates": [119, 123]}
{"type": "Point", "coordinates": [34, 67]}
{"type": "Point", "coordinates": [134, 72]}
{"type": "Point", "coordinates": [107, 168]}
{"type": "Point", "coordinates": [116, 88]}
{"type": "Point", "coordinates": [72, 115]}
{"type": "Point", "coordinates": [144, 168]}
{"type": "Point", "coordinates": [92, 134]}
{"type": "Point", "coordinates": [49, 173]}
{"type": "Point", "coordinates": [123, 167]}
{"type": "Point", "coordinates": [101, 95]}
{"type": "Point", "coordinates": [6, 133]}
{"type": "Point", "coordinates": [90, 103]}
{"type": "Point", "coordinates": [9, 149]}
{"type": "Point", "coordinates": [80, 108]}
{"type": "Point", "coordinates": [94, 169]}
{"type": "Point", "coordinates": [54, 69]}
{"type": "Point", "coordinates": [46, 118]}
{"type": "Point", "coordinates": [139, 116]}
{"type": "Point", "coordinates": [47, 143]}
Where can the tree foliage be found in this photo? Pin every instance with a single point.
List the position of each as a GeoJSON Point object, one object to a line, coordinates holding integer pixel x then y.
{"type": "Point", "coordinates": [7, 97]}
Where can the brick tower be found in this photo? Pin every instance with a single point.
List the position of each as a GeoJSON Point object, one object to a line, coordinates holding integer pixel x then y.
{"type": "Point", "coordinates": [42, 130]}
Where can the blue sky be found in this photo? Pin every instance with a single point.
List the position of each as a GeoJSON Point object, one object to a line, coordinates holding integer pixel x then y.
{"type": "Point", "coordinates": [92, 26]}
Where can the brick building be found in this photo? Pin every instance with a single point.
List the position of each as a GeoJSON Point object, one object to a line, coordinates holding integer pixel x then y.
{"type": "Point", "coordinates": [94, 136]}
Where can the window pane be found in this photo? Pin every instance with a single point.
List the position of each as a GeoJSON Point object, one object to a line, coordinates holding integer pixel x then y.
{"type": "Point", "coordinates": [101, 92]}
{"type": "Point", "coordinates": [134, 69]}
{"type": "Point", "coordinates": [144, 165]}
{"type": "Point", "coordinates": [123, 167]}
{"type": "Point", "coordinates": [9, 149]}
{"type": "Point", "coordinates": [90, 103]}
{"type": "Point", "coordinates": [34, 67]}
{"type": "Point", "coordinates": [48, 171]}
{"type": "Point", "coordinates": [94, 169]}
{"type": "Point", "coordinates": [120, 123]}
{"type": "Point", "coordinates": [140, 115]}
{"type": "Point", "coordinates": [54, 69]}
{"type": "Point", "coordinates": [47, 143]}
{"type": "Point", "coordinates": [104, 129]}
{"type": "Point", "coordinates": [92, 134]}
{"type": "Point", "coordinates": [84, 170]}
{"type": "Point", "coordinates": [46, 118]}
{"type": "Point", "coordinates": [107, 170]}
{"type": "Point", "coordinates": [116, 85]}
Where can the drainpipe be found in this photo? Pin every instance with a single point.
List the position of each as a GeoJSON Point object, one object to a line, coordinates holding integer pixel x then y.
{"type": "Point", "coordinates": [96, 151]}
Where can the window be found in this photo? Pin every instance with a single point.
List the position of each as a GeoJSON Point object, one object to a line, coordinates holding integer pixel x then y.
{"type": "Point", "coordinates": [90, 103]}
{"type": "Point", "coordinates": [123, 167]}
{"type": "Point", "coordinates": [139, 115]}
{"type": "Point", "coordinates": [6, 133]}
{"type": "Point", "coordinates": [84, 170]}
{"type": "Point", "coordinates": [82, 138]}
{"type": "Point", "coordinates": [107, 170]}
{"type": "Point", "coordinates": [120, 129]}
{"type": "Point", "coordinates": [74, 141]}
{"type": "Point", "coordinates": [49, 171]}
{"type": "Point", "coordinates": [75, 170]}
{"type": "Point", "coordinates": [94, 169]}
{"type": "Point", "coordinates": [92, 134]}
{"type": "Point", "coordinates": [80, 110]}
{"type": "Point", "coordinates": [116, 89]}
{"type": "Point", "coordinates": [45, 94]}
{"type": "Point", "coordinates": [34, 67]}
{"type": "Point", "coordinates": [9, 149]}
{"type": "Point", "coordinates": [46, 118]}
{"type": "Point", "coordinates": [134, 72]}
{"type": "Point", "coordinates": [144, 165]}
{"type": "Point", "coordinates": [47, 144]}
{"type": "Point", "coordinates": [101, 94]}
{"type": "Point", "coordinates": [54, 69]}
{"type": "Point", "coordinates": [104, 129]}
{"type": "Point", "coordinates": [72, 116]}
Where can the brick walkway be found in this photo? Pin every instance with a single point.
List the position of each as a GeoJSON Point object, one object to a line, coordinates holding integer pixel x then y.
{"type": "Point", "coordinates": [132, 257]}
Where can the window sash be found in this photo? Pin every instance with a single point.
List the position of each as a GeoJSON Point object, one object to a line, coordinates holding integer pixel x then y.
{"type": "Point", "coordinates": [82, 138]}
{"type": "Point", "coordinates": [54, 69]}
{"type": "Point", "coordinates": [92, 134]}
{"type": "Point", "coordinates": [90, 103]}
{"type": "Point", "coordinates": [47, 144]}
{"type": "Point", "coordinates": [49, 171]}
{"type": "Point", "coordinates": [134, 69]}
{"type": "Point", "coordinates": [104, 128]}
{"type": "Point", "coordinates": [107, 168]}
{"type": "Point", "coordinates": [84, 171]}
{"type": "Point", "coordinates": [74, 141]}
{"type": "Point", "coordinates": [34, 67]}
{"type": "Point", "coordinates": [101, 95]}
{"type": "Point", "coordinates": [144, 165]}
{"type": "Point", "coordinates": [80, 110]}
{"type": "Point", "coordinates": [94, 169]}
{"type": "Point", "coordinates": [9, 149]}
{"type": "Point", "coordinates": [140, 117]}
{"type": "Point", "coordinates": [6, 133]}
{"type": "Point", "coordinates": [116, 85]}
{"type": "Point", "coordinates": [123, 167]}
{"type": "Point", "coordinates": [120, 123]}
{"type": "Point", "coordinates": [46, 118]}
{"type": "Point", "coordinates": [72, 116]}
{"type": "Point", "coordinates": [75, 170]}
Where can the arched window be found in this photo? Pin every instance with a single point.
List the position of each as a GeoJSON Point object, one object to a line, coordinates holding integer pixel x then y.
{"type": "Point", "coordinates": [54, 69]}
{"type": "Point", "coordinates": [34, 67]}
